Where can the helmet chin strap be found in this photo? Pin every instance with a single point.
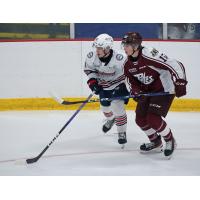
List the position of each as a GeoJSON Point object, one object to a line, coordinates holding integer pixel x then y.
{"type": "Point", "coordinates": [106, 54]}
{"type": "Point", "coordinates": [133, 53]}
{"type": "Point", "coordinates": [138, 48]}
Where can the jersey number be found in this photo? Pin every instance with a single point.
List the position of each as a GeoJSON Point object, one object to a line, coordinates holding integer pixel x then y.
{"type": "Point", "coordinates": [154, 52]}
{"type": "Point", "coordinates": [163, 57]}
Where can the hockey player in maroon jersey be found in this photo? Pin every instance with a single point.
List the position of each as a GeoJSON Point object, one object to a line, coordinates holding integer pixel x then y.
{"type": "Point", "coordinates": [149, 71]}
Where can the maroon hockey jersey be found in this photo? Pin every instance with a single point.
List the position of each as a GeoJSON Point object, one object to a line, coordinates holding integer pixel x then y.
{"type": "Point", "coordinates": [153, 72]}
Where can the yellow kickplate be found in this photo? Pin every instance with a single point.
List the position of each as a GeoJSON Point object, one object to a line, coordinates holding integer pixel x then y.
{"type": "Point", "coordinates": [49, 104]}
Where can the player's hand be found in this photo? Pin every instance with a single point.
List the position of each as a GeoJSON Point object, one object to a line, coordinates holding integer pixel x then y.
{"type": "Point", "coordinates": [180, 87]}
{"type": "Point", "coordinates": [137, 95]}
{"type": "Point", "coordinates": [94, 86]}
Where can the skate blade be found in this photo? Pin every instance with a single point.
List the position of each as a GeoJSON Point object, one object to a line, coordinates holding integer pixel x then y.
{"type": "Point", "coordinates": [168, 157]}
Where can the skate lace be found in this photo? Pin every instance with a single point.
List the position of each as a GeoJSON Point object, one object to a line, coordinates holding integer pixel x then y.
{"type": "Point", "coordinates": [122, 135]}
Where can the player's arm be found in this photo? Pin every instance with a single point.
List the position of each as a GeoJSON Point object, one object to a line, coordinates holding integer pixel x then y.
{"type": "Point", "coordinates": [161, 61]}
{"type": "Point", "coordinates": [89, 67]}
{"type": "Point", "coordinates": [91, 72]}
{"type": "Point", "coordinates": [176, 68]}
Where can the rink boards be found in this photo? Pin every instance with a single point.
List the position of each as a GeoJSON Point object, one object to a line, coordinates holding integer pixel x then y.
{"type": "Point", "coordinates": [32, 69]}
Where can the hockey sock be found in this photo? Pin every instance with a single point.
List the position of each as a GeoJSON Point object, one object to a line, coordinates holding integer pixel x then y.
{"type": "Point", "coordinates": [150, 132]}
{"type": "Point", "coordinates": [157, 123]}
{"type": "Point", "coordinates": [121, 123]}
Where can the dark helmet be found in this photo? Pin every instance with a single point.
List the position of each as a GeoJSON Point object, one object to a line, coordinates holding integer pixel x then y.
{"type": "Point", "coordinates": [132, 38]}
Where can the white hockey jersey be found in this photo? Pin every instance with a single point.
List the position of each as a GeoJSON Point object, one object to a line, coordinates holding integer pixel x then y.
{"type": "Point", "coordinates": [109, 76]}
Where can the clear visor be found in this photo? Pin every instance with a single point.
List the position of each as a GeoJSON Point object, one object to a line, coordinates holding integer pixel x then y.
{"type": "Point", "coordinates": [97, 45]}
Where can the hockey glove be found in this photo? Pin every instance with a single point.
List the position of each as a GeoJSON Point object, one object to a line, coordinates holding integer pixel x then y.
{"type": "Point", "coordinates": [180, 87]}
{"type": "Point", "coordinates": [94, 86]}
{"type": "Point", "coordinates": [137, 95]}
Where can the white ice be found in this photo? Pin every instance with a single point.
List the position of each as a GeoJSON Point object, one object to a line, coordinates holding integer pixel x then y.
{"type": "Point", "coordinates": [82, 149]}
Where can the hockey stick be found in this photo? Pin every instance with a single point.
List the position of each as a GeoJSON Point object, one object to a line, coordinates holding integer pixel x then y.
{"type": "Point", "coordinates": [134, 96]}
{"type": "Point", "coordinates": [78, 102]}
{"type": "Point", "coordinates": [35, 159]}
{"type": "Point", "coordinates": [64, 102]}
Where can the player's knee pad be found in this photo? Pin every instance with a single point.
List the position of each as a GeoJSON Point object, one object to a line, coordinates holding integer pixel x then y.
{"type": "Point", "coordinates": [155, 121]}
{"type": "Point", "coordinates": [106, 109]}
{"type": "Point", "coordinates": [118, 107]}
{"type": "Point", "coordinates": [141, 121]}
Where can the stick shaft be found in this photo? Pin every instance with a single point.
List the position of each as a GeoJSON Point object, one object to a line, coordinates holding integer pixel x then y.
{"type": "Point", "coordinates": [133, 96]}
{"type": "Point", "coordinates": [78, 102]}
{"type": "Point", "coordinates": [32, 160]}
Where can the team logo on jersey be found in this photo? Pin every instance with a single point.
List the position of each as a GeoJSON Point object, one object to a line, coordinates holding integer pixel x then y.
{"type": "Point", "coordinates": [132, 70]}
{"type": "Point", "coordinates": [119, 57]}
{"type": "Point", "coordinates": [90, 54]}
{"type": "Point", "coordinates": [144, 79]}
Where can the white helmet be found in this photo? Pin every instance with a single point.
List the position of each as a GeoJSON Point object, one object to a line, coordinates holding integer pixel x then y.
{"type": "Point", "coordinates": [103, 40]}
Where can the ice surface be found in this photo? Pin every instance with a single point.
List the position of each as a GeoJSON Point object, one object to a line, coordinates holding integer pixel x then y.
{"type": "Point", "coordinates": [82, 149]}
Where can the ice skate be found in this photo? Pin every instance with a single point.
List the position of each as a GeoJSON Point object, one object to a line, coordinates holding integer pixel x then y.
{"type": "Point", "coordinates": [122, 139]}
{"type": "Point", "coordinates": [169, 148]}
{"type": "Point", "coordinates": [108, 125]}
{"type": "Point", "coordinates": [153, 147]}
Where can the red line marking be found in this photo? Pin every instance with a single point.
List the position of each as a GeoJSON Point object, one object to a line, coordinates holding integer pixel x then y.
{"type": "Point", "coordinates": [94, 152]}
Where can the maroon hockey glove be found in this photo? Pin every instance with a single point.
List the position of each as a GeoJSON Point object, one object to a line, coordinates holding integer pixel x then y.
{"type": "Point", "coordinates": [180, 87]}
{"type": "Point", "coordinates": [136, 92]}
{"type": "Point", "coordinates": [94, 86]}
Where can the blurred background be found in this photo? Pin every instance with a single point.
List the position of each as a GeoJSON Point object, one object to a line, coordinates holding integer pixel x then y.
{"type": "Point", "coordinates": [91, 30]}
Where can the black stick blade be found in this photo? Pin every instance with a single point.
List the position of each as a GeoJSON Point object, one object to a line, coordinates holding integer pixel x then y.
{"type": "Point", "coordinates": [32, 160]}
{"type": "Point", "coordinates": [78, 102]}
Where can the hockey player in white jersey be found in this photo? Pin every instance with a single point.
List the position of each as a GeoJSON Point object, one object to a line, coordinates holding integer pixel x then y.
{"type": "Point", "coordinates": [104, 68]}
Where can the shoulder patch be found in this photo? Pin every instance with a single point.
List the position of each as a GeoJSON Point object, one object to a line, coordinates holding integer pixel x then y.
{"type": "Point", "coordinates": [90, 54]}
{"type": "Point", "coordinates": [119, 57]}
